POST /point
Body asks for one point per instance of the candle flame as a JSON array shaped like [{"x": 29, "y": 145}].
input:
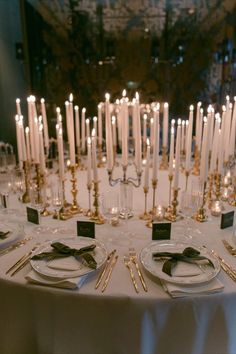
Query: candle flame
[
  {"x": 58, "y": 110},
  {"x": 87, "y": 121},
  {"x": 199, "y": 104},
  {"x": 57, "y": 126},
  {"x": 158, "y": 106},
  {"x": 27, "y": 130},
  {"x": 76, "y": 108},
  {"x": 124, "y": 93},
  {"x": 89, "y": 140},
  {"x": 227, "y": 98},
  {"x": 71, "y": 97},
  {"x": 183, "y": 122},
  {"x": 16, "y": 118},
  {"x": 95, "y": 119},
  {"x": 40, "y": 127},
  {"x": 60, "y": 132},
  {"x": 230, "y": 105},
  {"x": 151, "y": 120},
  {"x": 145, "y": 116},
  {"x": 117, "y": 101},
  {"x": 205, "y": 120},
  {"x": 99, "y": 106},
  {"x": 201, "y": 111},
  {"x": 113, "y": 119},
  {"x": 223, "y": 108},
  {"x": 166, "y": 105},
  {"x": 137, "y": 96},
  {"x": 40, "y": 119},
  {"x": 234, "y": 98},
  {"x": 172, "y": 121},
  {"x": 148, "y": 142},
  {"x": 17, "y": 100},
  {"x": 93, "y": 132},
  {"x": 83, "y": 110},
  {"x": 191, "y": 108},
  {"x": 179, "y": 121},
  {"x": 186, "y": 123},
  {"x": 172, "y": 130},
  {"x": 67, "y": 103},
  {"x": 107, "y": 96},
  {"x": 42, "y": 100},
  {"x": 33, "y": 99}
]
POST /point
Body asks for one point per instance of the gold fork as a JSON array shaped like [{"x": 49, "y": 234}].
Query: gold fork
[
  {"x": 133, "y": 258},
  {"x": 229, "y": 248},
  {"x": 128, "y": 265},
  {"x": 16, "y": 267}
]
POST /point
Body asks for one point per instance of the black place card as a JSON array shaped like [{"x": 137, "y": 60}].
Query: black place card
[
  {"x": 86, "y": 228},
  {"x": 161, "y": 231},
  {"x": 227, "y": 219},
  {"x": 4, "y": 200},
  {"x": 33, "y": 215}
]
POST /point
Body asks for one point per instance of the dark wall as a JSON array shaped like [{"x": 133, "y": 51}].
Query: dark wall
[{"x": 12, "y": 78}]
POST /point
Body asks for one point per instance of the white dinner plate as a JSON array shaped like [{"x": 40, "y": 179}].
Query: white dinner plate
[
  {"x": 43, "y": 266},
  {"x": 206, "y": 273},
  {"x": 11, "y": 237}
]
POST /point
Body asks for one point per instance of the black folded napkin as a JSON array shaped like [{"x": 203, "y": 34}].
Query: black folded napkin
[
  {"x": 61, "y": 251},
  {"x": 189, "y": 255},
  {"x": 3, "y": 234}
]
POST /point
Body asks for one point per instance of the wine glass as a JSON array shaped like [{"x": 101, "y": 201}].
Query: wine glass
[
  {"x": 188, "y": 207},
  {"x": 57, "y": 203},
  {"x": 111, "y": 211}
]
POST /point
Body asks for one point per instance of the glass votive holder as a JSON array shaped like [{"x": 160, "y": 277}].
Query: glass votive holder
[
  {"x": 160, "y": 213},
  {"x": 216, "y": 208}
]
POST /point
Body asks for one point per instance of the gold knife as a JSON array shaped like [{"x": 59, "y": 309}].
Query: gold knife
[
  {"x": 229, "y": 248},
  {"x": 15, "y": 246},
  {"x": 113, "y": 263},
  {"x": 108, "y": 261},
  {"x": 22, "y": 259}
]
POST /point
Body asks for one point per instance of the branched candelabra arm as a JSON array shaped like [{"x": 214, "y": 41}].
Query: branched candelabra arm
[{"x": 134, "y": 181}]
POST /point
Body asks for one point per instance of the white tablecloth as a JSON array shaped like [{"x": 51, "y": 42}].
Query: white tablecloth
[{"x": 42, "y": 320}]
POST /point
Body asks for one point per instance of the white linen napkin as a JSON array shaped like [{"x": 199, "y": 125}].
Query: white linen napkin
[
  {"x": 175, "y": 290},
  {"x": 67, "y": 263},
  {"x": 69, "y": 283},
  {"x": 183, "y": 269}
]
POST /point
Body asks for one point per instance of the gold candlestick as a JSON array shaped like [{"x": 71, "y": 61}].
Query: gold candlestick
[
  {"x": 38, "y": 182},
  {"x": 74, "y": 209},
  {"x": 233, "y": 195},
  {"x": 210, "y": 190},
  {"x": 26, "y": 196},
  {"x": 217, "y": 204},
  {"x": 196, "y": 166},
  {"x": 186, "y": 180},
  {"x": 172, "y": 215},
  {"x": 96, "y": 216},
  {"x": 89, "y": 212},
  {"x": 168, "y": 210},
  {"x": 145, "y": 215},
  {"x": 153, "y": 211},
  {"x": 164, "y": 159},
  {"x": 201, "y": 213},
  {"x": 100, "y": 162},
  {"x": 64, "y": 212}
]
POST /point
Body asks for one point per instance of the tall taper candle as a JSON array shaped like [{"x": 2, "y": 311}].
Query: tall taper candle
[{"x": 177, "y": 157}]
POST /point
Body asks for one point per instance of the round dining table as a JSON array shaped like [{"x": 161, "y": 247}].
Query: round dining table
[{"x": 39, "y": 319}]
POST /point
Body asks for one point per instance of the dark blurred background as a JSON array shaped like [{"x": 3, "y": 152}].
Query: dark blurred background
[{"x": 167, "y": 50}]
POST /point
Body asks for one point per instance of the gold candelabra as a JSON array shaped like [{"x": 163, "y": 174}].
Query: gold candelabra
[
  {"x": 88, "y": 212},
  {"x": 170, "y": 177},
  {"x": 38, "y": 182},
  {"x": 145, "y": 215},
  {"x": 64, "y": 212},
  {"x": 172, "y": 215},
  {"x": 96, "y": 215},
  {"x": 196, "y": 165},
  {"x": 26, "y": 196},
  {"x": 210, "y": 190},
  {"x": 100, "y": 162},
  {"x": 201, "y": 212},
  {"x": 75, "y": 208},
  {"x": 164, "y": 159},
  {"x": 153, "y": 211}
]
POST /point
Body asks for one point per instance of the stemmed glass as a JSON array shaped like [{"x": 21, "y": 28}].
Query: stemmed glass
[
  {"x": 111, "y": 211},
  {"x": 37, "y": 201},
  {"x": 126, "y": 206},
  {"x": 188, "y": 207}
]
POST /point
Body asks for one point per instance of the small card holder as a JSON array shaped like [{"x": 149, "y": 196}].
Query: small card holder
[
  {"x": 33, "y": 215},
  {"x": 227, "y": 219},
  {"x": 161, "y": 231},
  {"x": 86, "y": 229}
]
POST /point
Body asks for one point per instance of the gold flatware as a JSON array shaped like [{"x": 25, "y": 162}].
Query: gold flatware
[
  {"x": 108, "y": 261},
  {"x": 15, "y": 246},
  {"x": 133, "y": 258},
  {"x": 228, "y": 269},
  {"x": 128, "y": 265},
  {"x": 22, "y": 259},
  {"x": 113, "y": 263},
  {"x": 229, "y": 248}
]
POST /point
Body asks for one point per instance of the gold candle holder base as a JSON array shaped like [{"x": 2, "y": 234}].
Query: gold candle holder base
[
  {"x": 46, "y": 212},
  {"x": 145, "y": 215},
  {"x": 96, "y": 215},
  {"x": 196, "y": 166},
  {"x": 210, "y": 190},
  {"x": 75, "y": 208},
  {"x": 26, "y": 197},
  {"x": 172, "y": 215},
  {"x": 201, "y": 216},
  {"x": 164, "y": 160}
]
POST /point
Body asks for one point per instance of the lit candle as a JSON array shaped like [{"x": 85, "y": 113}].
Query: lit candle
[
  {"x": 204, "y": 153},
  {"x": 83, "y": 129},
  {"x": 189, "y": 139},
  {"x": 36, "y": 140},
  {"x": 109, "y": 147},
  {"x": 94, "y": 158},
  {"x": 124, "y": 131},
  {"x": 18, "y": 139},
  {"x": 31, "y": 125},
  {"x": 177, "y": 156},
  {"x": 156, "y": 137},
  {"x": 22, "y": 134},
  {"x": 146, "y": 171},
  {"x": 89, "y": 177},
  {"x": 165, "y": 124},
  {"x": 77, "y": 126},
  {"x": 138, "y": 140},
  {"x": 227, "y": 132},
  {"x": 151, "y": 131},
  {"x": 145, "y": 127},
  {"x": 87, "y": 128},
  {"x": 18, "y": 109},
  {"x": 185, "y": 135},
  {"x": 60, "y": 152},
  {"x": 210, "y": 124},
  {"x": 215, "y": 144},
  {"x": 171, "y": 158},
  {"x": 70, "y": 131},
  {"x": 41, "y": 149},
  {"x": 100, "y": 124},
  {"x": 197, "y": 123},
  {"x": 113, "y": 118},
  {"x": 182, "y": 135},
  {"x": 58, "y": 112},
  {"x": 45, "y": 124},
  {"x": 27, "y": 144},
  {"x": 199, "y": 141},
  {"x": 220, "y": 153},
  {"x": 95, "y": 120}
]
